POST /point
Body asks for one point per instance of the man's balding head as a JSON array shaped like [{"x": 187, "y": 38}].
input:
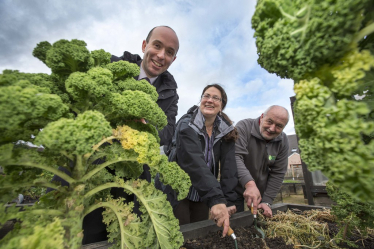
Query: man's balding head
[
  {"x": 273, "y": 121},
  {"x": 160, "y": 49}
]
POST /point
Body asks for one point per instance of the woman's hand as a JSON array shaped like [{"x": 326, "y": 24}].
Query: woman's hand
[
  {"x": 142, "y": 120},
  {"x": 231, "y": 210},
  {"x": 221, "y": 216}
]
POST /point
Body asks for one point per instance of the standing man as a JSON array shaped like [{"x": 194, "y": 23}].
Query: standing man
[
  {"x": 160, "y": 49},
  {"x": 261, "y": 154}
]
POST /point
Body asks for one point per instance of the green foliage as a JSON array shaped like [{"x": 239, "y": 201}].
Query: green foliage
[
  {"x": 35, "y": 192},
  {"x": 50, "y": 236},
  {"x": 134, "y": 104},
  {"x": 101, "y": 57},
  {"x": 26, "y": 108},
  {"x": 156, "y": 220},
  {"x": 330, "y": 124},
  {"x": 91, "y": 127},
  {"x": 123, "y": 69},
  {"x": 141, "y": 85},
  {"x": 65, "y": 57},
  {"x": 325, "y": 47},
  {"x": 41, "y": 50},
  {"x": 352, "y": 215},
  {"x": 295, "y": 38},
  {"x": 83, "y": 115},
  {"x": 96, "y": 83}
]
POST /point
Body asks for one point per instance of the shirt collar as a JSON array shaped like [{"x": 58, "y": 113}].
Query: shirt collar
[{"x": 143, "y": 75}]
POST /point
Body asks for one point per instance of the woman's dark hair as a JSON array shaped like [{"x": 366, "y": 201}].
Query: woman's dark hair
[{"x": 233, "y": 135}]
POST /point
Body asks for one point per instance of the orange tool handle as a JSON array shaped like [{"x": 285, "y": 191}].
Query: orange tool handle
[{"x": 230, "y": 231}]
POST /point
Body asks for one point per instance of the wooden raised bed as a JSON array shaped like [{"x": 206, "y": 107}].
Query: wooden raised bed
[
  {"x": 202, "y": 228},
  {"x": 198, "y": 229}
]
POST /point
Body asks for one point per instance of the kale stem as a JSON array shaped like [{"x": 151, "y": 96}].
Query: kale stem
[
  {"x": 286, "y": 14},
  {"x": 103, "y": 165},
  {"x": 55, "y": 171},
  {"x": 64, "y": 153},
  {"x": 96, "y": 147},
  {"x": 32, "y": 184},
  {"x": 98, "y": 189},
  {"x": 86, "y": 106},
  {"x": 119, "y": 218},
  {"x": 364, "y": 32},
  {"x": 79, "y": 166},
  {"x": 52, "y": 212},
  {"x": 74, "y": 109}
]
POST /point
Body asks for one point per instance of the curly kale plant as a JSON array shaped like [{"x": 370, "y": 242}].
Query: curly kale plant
[
  {"x": 352, "y": 216},
  {"x": 83, "y": 115},
  {"x": 326, "y": 48},
  {"x": 295, "y": 38}
]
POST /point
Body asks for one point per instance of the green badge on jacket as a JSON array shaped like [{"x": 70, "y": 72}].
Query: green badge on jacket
[{"x": 271, "y": 158}]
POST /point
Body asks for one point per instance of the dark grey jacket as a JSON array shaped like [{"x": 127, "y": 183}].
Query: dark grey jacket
[
  {"x": 166, "y": 88},
  {"x": 190, "y": 147},
  {"x": 259, "y": 160}
]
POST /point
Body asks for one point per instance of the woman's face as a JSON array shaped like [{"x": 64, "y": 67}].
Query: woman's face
[{"x": 211, "y": 102}]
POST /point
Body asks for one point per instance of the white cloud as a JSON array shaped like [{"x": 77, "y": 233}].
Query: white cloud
[{"x": 216, "y": 43}]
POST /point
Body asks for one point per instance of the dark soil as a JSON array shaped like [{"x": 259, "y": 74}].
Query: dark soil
[
  {"x": 246, "y": 238},
  {"x": 367, "y": 243}
]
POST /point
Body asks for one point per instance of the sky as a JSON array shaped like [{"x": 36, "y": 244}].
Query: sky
[{"x": 215, "y": 37}]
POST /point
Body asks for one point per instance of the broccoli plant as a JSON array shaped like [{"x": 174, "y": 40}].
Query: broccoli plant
[
  {"x": 326, "y": 47},
  {"x": 352, "y": 215},
  {"x": 83, "y": 115}
]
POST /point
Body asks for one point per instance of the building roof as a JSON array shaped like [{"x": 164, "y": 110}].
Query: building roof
[{"x": 294, "y": 159}]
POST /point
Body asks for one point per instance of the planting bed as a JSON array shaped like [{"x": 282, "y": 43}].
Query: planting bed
[
  {"x": 210, "y": 235},
  {"x": 246, "y": 239},
  {"x": 206, "y": 234}
]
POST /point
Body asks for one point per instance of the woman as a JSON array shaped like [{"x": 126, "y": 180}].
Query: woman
[{"x": 205, "y": 148}]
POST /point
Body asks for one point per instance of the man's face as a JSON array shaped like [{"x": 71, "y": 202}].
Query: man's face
[
  {"x": 160, "y": 51},
  {"x": 273, "y": 123}
]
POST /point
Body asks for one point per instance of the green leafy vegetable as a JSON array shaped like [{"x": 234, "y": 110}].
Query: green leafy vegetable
[
  {"x": 295, "y": 38},
  {"x": 326, "y": 48},
  {"x": 352, "y": 215},
  {"x": 83, "y": 113}
]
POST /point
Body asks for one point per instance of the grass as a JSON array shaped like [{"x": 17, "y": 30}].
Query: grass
[{"x": 292, "y": 181}]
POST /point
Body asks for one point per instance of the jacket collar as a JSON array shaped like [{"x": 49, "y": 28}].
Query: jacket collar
[{"x": 222, "y": 126}]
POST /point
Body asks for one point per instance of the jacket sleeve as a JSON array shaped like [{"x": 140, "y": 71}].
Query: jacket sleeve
[
  {"x": 277, "y": 172},
  {"x": 229, "y": 172},
  {"x": 167, "y": 133},
  {"x": 243, "y": 127},
  {"x": 114, "y": 58},
  {"x": 191, "y": 159}
]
